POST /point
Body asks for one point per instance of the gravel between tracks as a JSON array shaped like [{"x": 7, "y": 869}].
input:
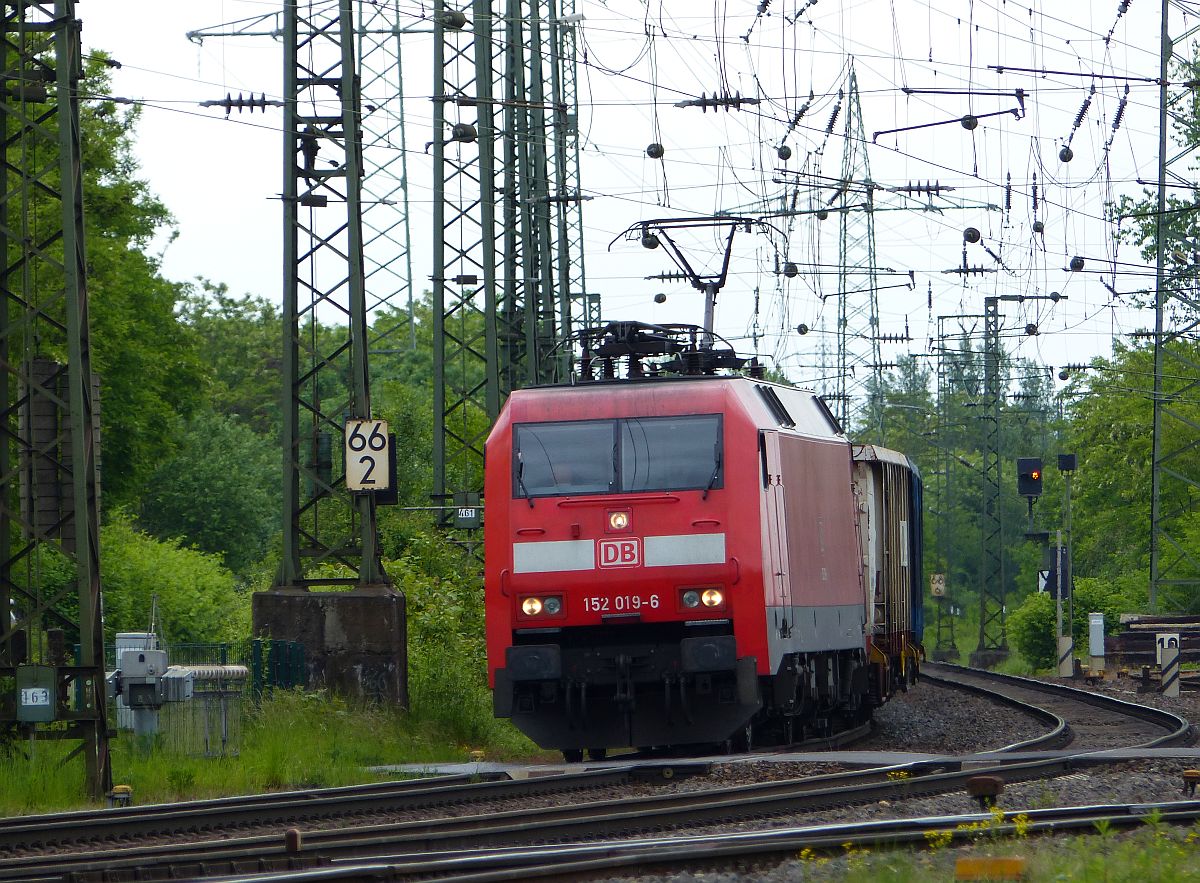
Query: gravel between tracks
[{"x": 934, "y": 719}]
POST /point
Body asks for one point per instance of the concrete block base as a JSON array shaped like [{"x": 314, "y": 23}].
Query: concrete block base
[{"x": 355, "y": 643}]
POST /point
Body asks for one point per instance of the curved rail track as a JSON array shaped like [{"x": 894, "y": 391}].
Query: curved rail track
[
  {"x": 1069, "y": 713},
  {"x": 1093, "y": 721}
]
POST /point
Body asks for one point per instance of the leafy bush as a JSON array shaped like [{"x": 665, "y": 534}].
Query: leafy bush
[
  {"x": 447, "y": 675},
  {"x": 1031, "y": 626},
  {"x": 197, "y": 597}
]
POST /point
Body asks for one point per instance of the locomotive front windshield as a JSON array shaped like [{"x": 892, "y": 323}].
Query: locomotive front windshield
[{"x": 618, "y": 456}]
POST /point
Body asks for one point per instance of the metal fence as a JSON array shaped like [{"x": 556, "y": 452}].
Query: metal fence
[
  {"x": 210, "y": 723},
  {"x": 272, "y": 664}
]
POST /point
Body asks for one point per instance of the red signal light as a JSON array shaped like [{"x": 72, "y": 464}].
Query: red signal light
[{"x": 1035, "y": 474}]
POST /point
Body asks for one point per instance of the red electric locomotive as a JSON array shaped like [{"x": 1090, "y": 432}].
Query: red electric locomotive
[{"x": 686, "y": 557}]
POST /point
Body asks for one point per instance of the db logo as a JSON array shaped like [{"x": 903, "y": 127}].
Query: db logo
[{"x": 620, "y": 553}]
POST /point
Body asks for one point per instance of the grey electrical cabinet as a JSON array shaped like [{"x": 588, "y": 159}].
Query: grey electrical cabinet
[{"x": 141, "y": 677}]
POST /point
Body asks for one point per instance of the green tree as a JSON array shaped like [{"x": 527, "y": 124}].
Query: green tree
[
  {"x": 242, "y": 340},
  {"x": 148, "y": 362},
  {"x": 220, "y": 491},
  {"x": 1109, "y": 430}
]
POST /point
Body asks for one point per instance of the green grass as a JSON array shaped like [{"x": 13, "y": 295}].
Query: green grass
[
  {"x": 293, "y": 740},
  {"x": 1151, "y": 853}
]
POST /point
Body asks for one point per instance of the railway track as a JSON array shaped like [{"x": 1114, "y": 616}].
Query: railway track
[
  {"x": 671, "y": 853},
  {"x": 27, "y": 834},
  {"x": 1094, "y": 722},
  {"x": 1068, "y": 718}
]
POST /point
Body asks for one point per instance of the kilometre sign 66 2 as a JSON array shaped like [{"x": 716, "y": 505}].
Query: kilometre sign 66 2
[{"x": 367, "y": 455}]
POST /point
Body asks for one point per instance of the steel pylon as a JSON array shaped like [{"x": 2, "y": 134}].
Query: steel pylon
[
  {"x": 330, "y": 535},
  {"x": 858, "y": 281},
  {"x": 508, "y": 244},
  {"x": 387, "y": 252},
  {"x": 48, "y": 409},
  {"x": 1175, "y": 471},
  {"x": 993, "y": 635}
]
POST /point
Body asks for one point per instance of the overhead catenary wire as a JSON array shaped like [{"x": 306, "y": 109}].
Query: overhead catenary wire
[{"x": 695, "y": 52}]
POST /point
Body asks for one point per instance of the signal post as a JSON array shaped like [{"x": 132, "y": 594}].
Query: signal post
[{"x": 1029, "y": 485}]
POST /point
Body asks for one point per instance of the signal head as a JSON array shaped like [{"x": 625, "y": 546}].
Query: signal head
[{"x": 1029, "y": 476}]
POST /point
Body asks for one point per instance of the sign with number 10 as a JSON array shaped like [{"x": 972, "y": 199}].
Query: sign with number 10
[{"x": 367, "y": 455}]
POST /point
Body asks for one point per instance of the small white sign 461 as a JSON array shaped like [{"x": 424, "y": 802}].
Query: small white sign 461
[{"x": 368, "y": 455}]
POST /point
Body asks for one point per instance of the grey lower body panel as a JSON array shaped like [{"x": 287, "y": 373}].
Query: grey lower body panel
[{"x": 814, "y": 629}]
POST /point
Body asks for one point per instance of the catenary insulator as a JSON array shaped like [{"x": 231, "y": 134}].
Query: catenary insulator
[
  {"x": 655, "y": 151},
  {"x": 837, "y": 108},
  {"x": 971, "y": 235}
]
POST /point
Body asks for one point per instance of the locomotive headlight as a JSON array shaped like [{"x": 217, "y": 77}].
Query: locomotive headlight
[
  {"x": 691, "y": 598},
  {"x": 552, "y": 605},
  {"x": 618, "y": 520},
  {"x": 531, "y": 606},
  {"x": 712, "y": 598}
]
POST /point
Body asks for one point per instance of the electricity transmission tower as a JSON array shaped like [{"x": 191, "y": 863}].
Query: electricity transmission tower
[
  {"x": 49, "y": 410},
  {"x": 856, "y": 199},
  {"x": 355, "y": 641},
  {"x": 993, "y": 586},
  {"x": 324, "y": 300},
  {"x": 508, "y": 246},
  {"x": 950, "y": 365},
  {"x": 387, "y": 251},
  {"x": 384, "y": 202},
  {"x": 858, "y": 277},
  {"x": 1175, "y": 477},
  {"x": 993, "y": 636}
]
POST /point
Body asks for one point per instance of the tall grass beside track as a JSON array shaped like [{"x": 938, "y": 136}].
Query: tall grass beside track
[
  {"x": 291, "y": 740},
  {"x": 966, "y": 639}
]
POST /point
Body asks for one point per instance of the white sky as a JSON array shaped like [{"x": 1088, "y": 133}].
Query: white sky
[{"x": 221, "y": 177}]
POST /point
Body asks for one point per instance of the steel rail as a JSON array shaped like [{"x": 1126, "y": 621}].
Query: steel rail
[
  {"x": 158, "y": 820},
  {"x": 569, "y": 862}
]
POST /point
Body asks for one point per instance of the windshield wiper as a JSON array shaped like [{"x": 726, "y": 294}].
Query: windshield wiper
[
  {"x": 712, "y": 479},
  {"x": 521, "y": 480}
]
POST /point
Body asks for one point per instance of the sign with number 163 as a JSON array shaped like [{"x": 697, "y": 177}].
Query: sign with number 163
[{"x": 367, "y": 455}]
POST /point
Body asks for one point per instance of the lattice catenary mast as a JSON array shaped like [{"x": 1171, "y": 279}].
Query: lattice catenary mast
[{"x": 48, "y": 410}]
